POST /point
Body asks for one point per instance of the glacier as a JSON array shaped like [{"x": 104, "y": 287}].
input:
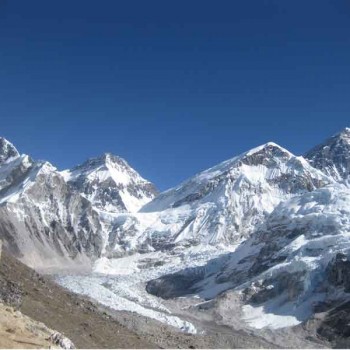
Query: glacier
[{"x": 266, "y": 228}]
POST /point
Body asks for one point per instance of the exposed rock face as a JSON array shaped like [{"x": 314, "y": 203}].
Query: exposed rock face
[
  {"x": 62, "y": 341},
  {"x": 261, "y": 291},
  {"x": 333, "y": 156},
  {"x": 110, "y": 184},
  {"x": 175, "y": 285},
  {"x": 338, "y": 272},
  {"x": 7, "y": 150},
  {"x": 41, "y": 220},
  {"x": 335, "y": 327}
]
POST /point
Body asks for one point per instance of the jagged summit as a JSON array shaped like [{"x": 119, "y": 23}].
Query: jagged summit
[
  {"x": 269, "y": 155},
  {"x": 262, "y": 155},
  {"x": 266, "y": 153},
  {"x": 102, "y": 160},
  {"x": 109, "y": 157},
  {"x": 7, "y": 150},
  {"x": 111, "y": 184},
  {"x": 333, "y": 155},
  {"x": 116, "y": 167}
]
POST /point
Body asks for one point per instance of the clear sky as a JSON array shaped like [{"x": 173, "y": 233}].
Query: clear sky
[{"x": 174, "y": 87}]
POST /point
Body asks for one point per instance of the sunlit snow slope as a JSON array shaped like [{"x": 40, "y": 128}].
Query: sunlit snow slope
[{"x": 219, "y": 206}]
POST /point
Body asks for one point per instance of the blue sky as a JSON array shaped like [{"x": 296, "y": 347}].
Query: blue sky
[{"x": 174, "y": 87}]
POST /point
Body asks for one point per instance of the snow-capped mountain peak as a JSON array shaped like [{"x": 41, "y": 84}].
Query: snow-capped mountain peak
[
  {"x": 269, "y": 147},
  {"x": 223, "y": 204},
  {"x": 333, "y": 155},
  {"x": 111, "y": 184},
  {"x": 265, "y": 162},
  {"x": 268, "y": 154},
  {"x": 264, "y": 154},
  {"x": 7, "y": 150}
]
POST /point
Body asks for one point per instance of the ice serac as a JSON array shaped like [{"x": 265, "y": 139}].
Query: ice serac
[
  {"x": 333, "y": 156},
  {"x": 302, "y": 264},
  {"x": 42, "y": 221},
  {"x": 110, "y": 184},
  {"x": 221, "y": 205}
]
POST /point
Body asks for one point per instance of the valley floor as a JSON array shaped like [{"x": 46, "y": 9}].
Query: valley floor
[
  {"x": 90, "y": 324},
  {"x": 120, "y": 286}
]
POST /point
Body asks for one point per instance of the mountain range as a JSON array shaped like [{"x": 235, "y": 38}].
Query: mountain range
[{"x": 267, "y": 228}]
